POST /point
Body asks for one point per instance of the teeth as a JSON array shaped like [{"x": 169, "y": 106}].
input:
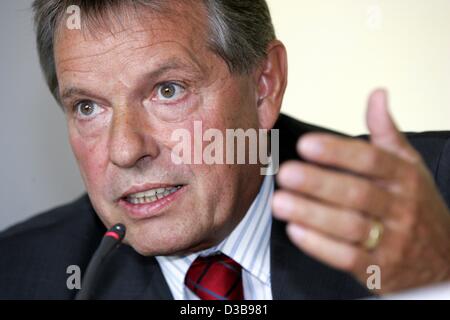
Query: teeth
[{"x": 151, "y": 195}]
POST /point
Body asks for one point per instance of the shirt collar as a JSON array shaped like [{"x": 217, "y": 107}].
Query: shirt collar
[{"x": 248, "y": 244}]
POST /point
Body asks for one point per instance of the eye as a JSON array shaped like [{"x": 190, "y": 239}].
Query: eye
[
  {"x": 169, "y": 91},
  {"x": 86, "y": 109}
]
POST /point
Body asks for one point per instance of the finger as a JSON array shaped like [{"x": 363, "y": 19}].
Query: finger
[
  {"x": 335, "y": 188},
  {"x": 383, "y": 130},
  {"x": 337, "y": 254},
  {"x": 340, "y": 223},
  {"x": 352, "y": 155}
]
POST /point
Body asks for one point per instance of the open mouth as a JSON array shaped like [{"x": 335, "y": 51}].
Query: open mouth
[
  {"x": 152, "y": 200},
  {"x": 151, "y": 195}
]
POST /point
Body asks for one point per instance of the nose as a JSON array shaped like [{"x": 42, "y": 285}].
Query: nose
[{"x": 130, "y": 139}]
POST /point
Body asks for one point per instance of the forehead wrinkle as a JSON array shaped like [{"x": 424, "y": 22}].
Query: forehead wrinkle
[
  {"x": 165, "y": 64},
  {"x": 94, "y": 55},
  {"x": 144, "y": 22},
  {"x": 77, "y": 69},
  {"x": 163, "y": 67},
  {"x": 132, "y": 38},
  {"x": 133, "y": 31},
  {"x": 177, "y": 59}
]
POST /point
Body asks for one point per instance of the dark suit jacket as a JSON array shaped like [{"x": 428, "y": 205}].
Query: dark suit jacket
[{"x": 35, "y": 254}]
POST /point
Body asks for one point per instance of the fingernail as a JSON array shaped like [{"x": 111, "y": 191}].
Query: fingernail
[
  {"x": 310, "y": 146},
  {"x": 290, "y": 175},
  {"x": 296, "y": 232},
  {"x": 281, "y": 205}
]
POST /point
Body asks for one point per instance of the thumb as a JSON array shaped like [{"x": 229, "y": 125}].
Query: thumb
[{"x": 383, "y": 130}]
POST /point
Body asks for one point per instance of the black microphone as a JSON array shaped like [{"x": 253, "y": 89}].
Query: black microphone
[{"x": 111, "y": 241}]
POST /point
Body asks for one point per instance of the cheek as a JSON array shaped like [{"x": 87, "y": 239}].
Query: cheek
[
  {"x": 235, "y": 107},
  {"x": 92, "y": 159}
]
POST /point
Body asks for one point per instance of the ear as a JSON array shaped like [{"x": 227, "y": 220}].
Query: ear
[{"x": 271, "y": 81}]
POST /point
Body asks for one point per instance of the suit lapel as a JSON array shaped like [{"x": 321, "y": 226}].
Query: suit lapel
[
  {"x": 130, "y": 275},
  {"x": 282, "y": 260},
  {"x": 295, "y": 275}
]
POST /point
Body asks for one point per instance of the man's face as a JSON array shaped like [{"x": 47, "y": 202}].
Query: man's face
[{"x": 125, "y": 90}]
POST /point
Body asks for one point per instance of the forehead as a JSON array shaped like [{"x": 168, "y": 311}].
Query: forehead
[{"x": 129, "y": 37}]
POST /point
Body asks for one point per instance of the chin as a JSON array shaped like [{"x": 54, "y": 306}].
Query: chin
[{"x": 148, "y": 243}]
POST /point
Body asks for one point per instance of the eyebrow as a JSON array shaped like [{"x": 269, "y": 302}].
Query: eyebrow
[
  {"x": 74, "y": 91},
  {"x": 164, "y": 67}
]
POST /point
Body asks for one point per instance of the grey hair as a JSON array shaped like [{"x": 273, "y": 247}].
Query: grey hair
[{"x": 239, "y": 30}]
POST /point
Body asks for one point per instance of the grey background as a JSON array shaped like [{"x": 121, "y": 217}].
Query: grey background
[{"x": 37, "y": 168}]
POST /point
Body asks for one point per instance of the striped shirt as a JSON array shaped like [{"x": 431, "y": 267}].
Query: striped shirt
[{"x": 248, "y": 244}]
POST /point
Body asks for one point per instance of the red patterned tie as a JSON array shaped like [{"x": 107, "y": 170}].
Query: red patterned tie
[{"x": 216, "y": 277}]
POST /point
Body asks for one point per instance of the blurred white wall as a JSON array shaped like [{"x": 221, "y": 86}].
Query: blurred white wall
[{"x": 338, "y": 51}]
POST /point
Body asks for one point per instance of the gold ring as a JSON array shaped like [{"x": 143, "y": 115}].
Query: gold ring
[{"x": 375, "y": 233}]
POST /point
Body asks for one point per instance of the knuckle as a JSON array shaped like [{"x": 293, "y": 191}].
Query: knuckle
[
  {"x": 398, "y": 208},
  {"x": 372, "y": 159},
  {"x": 356, "y": 231},
  {"x": 359, "y": 195},
  {"x": 408, "y": 215},
  {"x": 302, "y": 210},
  {"x": 401, "y": 249},
  {"x": 414, "y": 180},
  {"x": 410, "y": 218},
  {"x": 305, "y": 212},
  {"x": 318, "y": 219}
]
